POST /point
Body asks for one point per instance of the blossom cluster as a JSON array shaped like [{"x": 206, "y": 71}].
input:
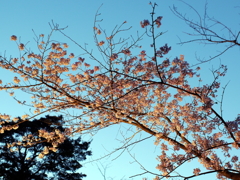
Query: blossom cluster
[
  {"x": 163, "y": 50},
  {"x": 144, "y": 23},
  {"x": 136, "y": 88}
]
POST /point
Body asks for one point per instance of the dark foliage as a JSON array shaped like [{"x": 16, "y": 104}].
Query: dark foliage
[{"x": 23, "y": 163}]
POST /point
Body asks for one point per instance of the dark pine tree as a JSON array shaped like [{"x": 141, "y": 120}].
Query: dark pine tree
[{"x": 23, "y": 162}]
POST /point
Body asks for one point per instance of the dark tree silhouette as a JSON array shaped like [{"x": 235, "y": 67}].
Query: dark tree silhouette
[{"x": 35, "y": 158}]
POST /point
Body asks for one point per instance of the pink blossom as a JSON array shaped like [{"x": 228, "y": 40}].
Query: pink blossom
[
  {"x": 99, "y": 32},
  {"x": 196, "y": 171},
  {"x": 96, "y": 68},
  {"x": 163, "y": 50},
  {"x": 144, "y": 23},
  {"x": 13, "y": 38},
  {"x": 21, "y": 46},
  {"x": 142, "y": 55},
  {"x": 158, "y": 21},
  {"x": 65, "y": 45},
  {"x": 86, "y": 64},
  {"x": 234, "y": 159},
  {"x": 71, "y": 55},
  {"x": 113, "y": 56},
  {"x": 81, "y": 59},
  {"x": 126, "y": 52},
  {"x": 16, "y": 80},
  {"x": 101, "y": 43},
  {"x": 110, "y": 37}
]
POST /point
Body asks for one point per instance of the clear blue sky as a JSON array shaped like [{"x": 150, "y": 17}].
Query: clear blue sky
[{"x": 20, "y": 17}]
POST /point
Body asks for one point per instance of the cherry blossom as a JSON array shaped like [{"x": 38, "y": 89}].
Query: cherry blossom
[
  {"x": 145, "y": 89},
  {"x": 158, "y": 21},
  {"x": 144, "y": 23},
  {"x": 13, "y": 38}
]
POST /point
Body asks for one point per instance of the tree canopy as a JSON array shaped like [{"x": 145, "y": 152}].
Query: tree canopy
[{"x": 36, "y": 158}]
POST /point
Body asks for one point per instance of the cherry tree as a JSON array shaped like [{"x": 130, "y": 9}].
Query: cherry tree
[{"x": 123, "y": 83}]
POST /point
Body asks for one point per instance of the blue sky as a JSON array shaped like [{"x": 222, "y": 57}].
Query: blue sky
[{"x": 20, "y": 17}]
